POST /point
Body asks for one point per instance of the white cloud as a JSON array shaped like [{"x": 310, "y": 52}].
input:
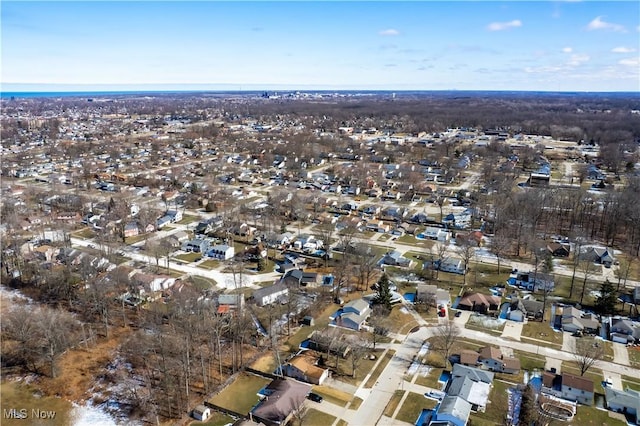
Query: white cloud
[
  {"x": 567, "y": 49},
  {"x": 599, "y": 24},
  {"x": 500, "y": 26},
  {"x": 577, "y": 59},
  {"x": 633, "y": 62},
  {"x": 622, "y": 49},
  {"x": 389, "y": 32}
]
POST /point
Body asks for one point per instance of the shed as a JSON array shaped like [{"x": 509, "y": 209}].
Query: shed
[{"x": 201, "y": 413}]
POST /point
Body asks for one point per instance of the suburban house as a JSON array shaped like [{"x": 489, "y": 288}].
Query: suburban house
[
  {"x": 301, "y": 278},
  {"x": 267, "y": 295},
  {"x": 174, "y": 215},
  {"x": 492, "y": 358},
  {"x": 221, "y": 252},
  {"x": 454, "y": 266},
  {"x": 279, "y": 399},
  {"x": 197, "y": 246},
  {"x": 574, "y": 321},
  {"x": 131, "y": 230},
  {"x": 577, "y": 388},
  {"x": 532, "y": 281},
  {"x": 395, "y": 258},
  {"x": 624, "y": 330},
  {"x": 474, "y": 392},
  {"x": 601, "y": 255},
  {"x": 432, "y": 295},
  {"x": 559, "y": 250},
  {"x": 230, "y": 302},
  {"x": 475, "y": 374},
  {"x": 279, "y": 240},
  {"x": 451, "y": 411},
  {"x": 625, "y": 402},
  {"x": 352, "y": 315},
  {"x": 438, "y": 234},
  {"x": 478, "y": 302},
  {"x": 521, "y": 309},
  {"x": 304, "y": 367}
]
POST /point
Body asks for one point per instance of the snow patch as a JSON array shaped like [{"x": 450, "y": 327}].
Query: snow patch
[{"x": 87, "y": 415}]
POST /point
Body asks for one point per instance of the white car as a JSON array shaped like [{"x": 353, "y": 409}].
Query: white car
[{"x": 435, "y": 395}]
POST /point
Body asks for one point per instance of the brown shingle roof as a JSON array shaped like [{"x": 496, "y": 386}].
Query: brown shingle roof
[{"x": 577, "y": 382}]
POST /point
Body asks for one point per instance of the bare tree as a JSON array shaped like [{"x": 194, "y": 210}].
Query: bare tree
[
  {"x": 465, "y": 248},
  {"x": 500, "y": 243},
  {"x": 379, "y": 322},
  {"x": 444, "y": 338},
  {"x": 359, "y": 349},
  {"x": 587, "y": 354}
]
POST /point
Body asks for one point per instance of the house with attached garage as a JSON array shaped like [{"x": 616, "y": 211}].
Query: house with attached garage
[
  {"x": 352, "y": 315},
  {"x": 451, "y": 411},
  {"x": 577, "y": 388},
  {"x": 493, "y": 359},
  {"x": 304, "y": 366},
  {"x": 623, "y": 330},
  {"x": 576, "y": 321},
  {"x": 626, "y": 402},
  {"x": 395, "y": 258},
  {"x": 268, "y": 295}
]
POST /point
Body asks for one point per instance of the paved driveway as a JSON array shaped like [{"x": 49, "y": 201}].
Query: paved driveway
[
  {"x": 462, "y": 319},
  {"x": 512, "y": 330},
  {"x": 568, "y": 342},
  {"x": 620, "y": 354}
]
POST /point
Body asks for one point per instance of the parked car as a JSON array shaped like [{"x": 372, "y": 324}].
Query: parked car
[
  {"x": 435, "y": 395},
  {"x": 314, "y": 397}
]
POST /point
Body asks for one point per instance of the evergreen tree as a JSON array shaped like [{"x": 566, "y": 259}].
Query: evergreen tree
[
  {"x": 606, "y": 302},
  {"x": 383, "y": 295}
]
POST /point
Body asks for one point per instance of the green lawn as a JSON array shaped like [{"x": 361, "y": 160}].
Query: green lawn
[
  {"x": 332, "y": 395},
  {"x": 209, "y": 264},
  {"x": 135, "y": 239},
  {"x": 431, "y": 379},
  {"x": 634, "y": 356},
  {"x": 203, "y": 283},
  {"x": 413, "y": 406},
  {"x": 187, "y": 219},
  {"x": 591, "y": 416},
  {"x": 241, "y": 395},
  {"x": 217, "y": 419},
  {"x": 376, "y": 373},
  {"x": 497, "y": 408},
  {"x": 529, "y": 361},
  {"x": 189, "y": 257},
  {"x": 315, "y": 417},
  {"x": 393, "y": 403},
  {"x": 541, "y": 331},
  {"x": 18, "y": 396},
  {"x": 86, "y": 233}
]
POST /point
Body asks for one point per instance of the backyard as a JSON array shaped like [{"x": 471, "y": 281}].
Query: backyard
[{"x": 241, "y": 395}]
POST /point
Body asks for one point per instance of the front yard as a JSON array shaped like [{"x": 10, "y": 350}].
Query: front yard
[
  {"x": 413, "y": 406},
  {"x": 541, "y": 331}
]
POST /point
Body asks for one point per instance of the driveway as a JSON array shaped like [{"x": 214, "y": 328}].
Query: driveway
[
  {"x": 620, "y": 354},
  {"x": 553, "y": 363},
  {"x": 462, "y": 319},
  {"x": 512, "y": 330},
  {"x": 568, "y": 343}
]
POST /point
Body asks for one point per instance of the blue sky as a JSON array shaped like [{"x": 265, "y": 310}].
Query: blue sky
[{"x": 464, "y": 45}]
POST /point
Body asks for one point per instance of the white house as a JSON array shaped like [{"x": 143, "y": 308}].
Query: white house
[
  {"x": 221, "y": 252},
  {"x": 267, "y": 295},
  {"x": 455, "y": 266},
  {"x": 577, "y": 388}
]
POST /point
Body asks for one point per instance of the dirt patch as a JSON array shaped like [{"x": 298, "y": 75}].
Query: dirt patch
[{"x": 79, "y": 368}]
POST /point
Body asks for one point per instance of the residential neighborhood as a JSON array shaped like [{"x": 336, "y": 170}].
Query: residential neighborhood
[{"x": 223, "y": 259}]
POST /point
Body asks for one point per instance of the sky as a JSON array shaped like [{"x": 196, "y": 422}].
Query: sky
[{"x": 383, "y": 45}]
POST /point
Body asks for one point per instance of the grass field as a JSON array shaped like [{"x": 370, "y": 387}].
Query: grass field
[
  {"x": 431, "y": 379},
  {"x": 591, "y": 416},
  {"x": 202, "y": 282},
  {"x": 209, "y": 264},
  {"x": 634, "y": 356},
  {"x": 86, "y": 233},
  {"x": 496, "y": 409},
  {"x": 241, "y": 395},
  {"x": 18, "y": 396}
]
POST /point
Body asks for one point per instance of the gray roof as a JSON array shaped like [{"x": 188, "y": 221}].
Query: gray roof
[
  {"x": 456, "y": 407},
  {"x": 629, "y": 398},
  {"x": 359, "y": 305},
  {"x": 285, "y": 396},
  {"x": 473, "y": 373},
  {"x": 266, "y": 291},
  {"x": 472, "y": 391}
]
